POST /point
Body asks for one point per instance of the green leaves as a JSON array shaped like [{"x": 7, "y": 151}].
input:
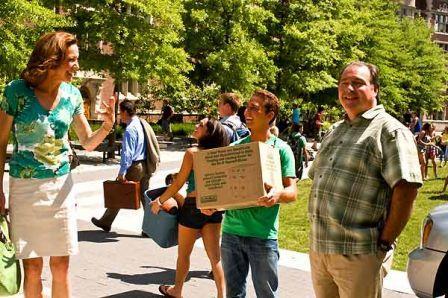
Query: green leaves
[
  {"x": 143, "y": 36},
  {"x": 412, "y": 67},
  {"x": 191, "y": 50},
  {"x": 21, "y": 23}
]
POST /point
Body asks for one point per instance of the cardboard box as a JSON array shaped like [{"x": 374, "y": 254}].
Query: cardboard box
[{"x": 233, "y": 177}]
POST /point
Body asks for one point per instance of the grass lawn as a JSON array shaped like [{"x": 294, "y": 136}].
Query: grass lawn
[{"x": 294, "y": 225}]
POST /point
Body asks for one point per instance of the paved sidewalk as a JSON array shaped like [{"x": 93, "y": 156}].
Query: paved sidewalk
[{"x": 123, "y": 264}]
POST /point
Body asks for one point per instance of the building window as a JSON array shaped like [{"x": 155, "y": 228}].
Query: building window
[{"x": 441, "y": 23}]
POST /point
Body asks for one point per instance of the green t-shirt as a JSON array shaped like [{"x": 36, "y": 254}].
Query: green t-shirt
[
  {"x": 299, "y": 142},
  {"x": 40, "y": 137},
  {"x": 260, "y": 222}
]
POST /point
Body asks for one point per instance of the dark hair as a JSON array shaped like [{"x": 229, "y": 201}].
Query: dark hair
[
  {"x": 232, "y": 99},
  {"x": 240, "y": 113},
  {"x": 128, "y": 107},
  {"x": 169, "y": 179},
  {"x": 49, "y": 53},
  {"x": 426, "y": 126},
  {"x": 216, "y": 135},
  {"x": 270, "y": 102},
  {"x": 296, "y": 127}
]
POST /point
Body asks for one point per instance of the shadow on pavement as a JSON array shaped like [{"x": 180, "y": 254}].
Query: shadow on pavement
[
  {"x": 443, "y": 197},
  {"x": 166, "y": 276},
  {"x": 102, "y": 237},
  {"x": 133, "y": 294}
]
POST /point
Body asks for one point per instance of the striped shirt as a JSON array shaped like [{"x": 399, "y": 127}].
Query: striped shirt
[{"x": 354, "y": 173}]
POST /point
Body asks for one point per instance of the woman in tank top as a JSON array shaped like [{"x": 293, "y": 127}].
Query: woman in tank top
[
  {"x": 210, "y": 134},
  {"x": 427, "y": 149}
]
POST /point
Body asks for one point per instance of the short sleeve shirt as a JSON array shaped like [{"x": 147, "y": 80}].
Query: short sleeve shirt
[
  {"x": 354, "y": 174},
  {"x": 300, "y": 140},
  {"x": 40, "y": 137},
  {"x": 260, "y": 222}
]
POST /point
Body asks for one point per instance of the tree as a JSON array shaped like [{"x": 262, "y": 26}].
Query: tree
[
  {"x": 132, "y": 39},
  {"x": 313, "y": 40},
  {"x": 413, "y": 67},
  {"x": 21, "y": 24},
  {"x": 222, "y": 39}
]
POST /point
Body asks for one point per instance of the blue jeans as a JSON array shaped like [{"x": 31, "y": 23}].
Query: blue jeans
[{"x": 238, "y": 253}]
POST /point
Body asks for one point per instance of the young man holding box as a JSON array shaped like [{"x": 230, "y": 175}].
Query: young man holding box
[{"x": 249, "y": 235}]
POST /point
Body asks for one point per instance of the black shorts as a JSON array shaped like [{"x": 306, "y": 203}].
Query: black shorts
[{"x": 191, "y": 217}]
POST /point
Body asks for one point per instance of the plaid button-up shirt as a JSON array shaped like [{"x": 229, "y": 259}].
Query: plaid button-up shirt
[{"x": 354, "y": 173}]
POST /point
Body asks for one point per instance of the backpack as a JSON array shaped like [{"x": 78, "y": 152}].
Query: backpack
[
  {"x": 296, "y": 145},
  {"x": 238, "y": 132}
]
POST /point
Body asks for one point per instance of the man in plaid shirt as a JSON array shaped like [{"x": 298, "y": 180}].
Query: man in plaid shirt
[{"x": 365, "y": 180}]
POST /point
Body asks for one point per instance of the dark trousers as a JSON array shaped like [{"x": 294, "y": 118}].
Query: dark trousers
[{"x": 137, "y": 173}]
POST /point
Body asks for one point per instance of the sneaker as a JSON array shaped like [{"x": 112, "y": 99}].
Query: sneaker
[{"x": 98, "y": 223}]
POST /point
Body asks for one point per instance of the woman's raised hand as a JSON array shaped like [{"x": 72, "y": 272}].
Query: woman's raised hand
[{"x": 108, "y": 113}]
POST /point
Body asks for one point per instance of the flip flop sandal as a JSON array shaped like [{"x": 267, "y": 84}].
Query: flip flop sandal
[{"x": 163, "y": 289}]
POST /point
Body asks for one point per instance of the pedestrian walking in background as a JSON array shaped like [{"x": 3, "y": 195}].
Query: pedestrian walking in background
[
  {"x": 240, "y": 113},
  {"x": 317, "y": 127},
  {"x": 407, "y": 118},
  {"x": 249, "y": 237},
  {"x": 228, "y": 105},
  {"x": 210, "y": 133},
  {"x": 426, "y": 149},
  {"x": 298, "y": 145},
  {"x": 444, "y": 146},
  {"x": 432, "y": 151},
  {"x": 444, "y": 140},
  {"x": 165, "y": 120},
  {"x": 295, "y": 114},
  {"x": 40, "y": 107},
  {"x": 365, "y": 180},
  {"x": 415, "y": 126},
  {"x": 140, "y": 156}
]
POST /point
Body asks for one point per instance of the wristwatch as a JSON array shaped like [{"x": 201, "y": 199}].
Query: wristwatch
[{"x": 384, "y": 245}]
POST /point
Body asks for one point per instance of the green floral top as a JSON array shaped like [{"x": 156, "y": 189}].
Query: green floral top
[{"x": 40, "y": 136}]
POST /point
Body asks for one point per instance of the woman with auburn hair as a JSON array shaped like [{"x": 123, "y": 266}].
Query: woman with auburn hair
[
  {"x": 39, "y": 109},
  {"x": 210, "y": 133}
]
